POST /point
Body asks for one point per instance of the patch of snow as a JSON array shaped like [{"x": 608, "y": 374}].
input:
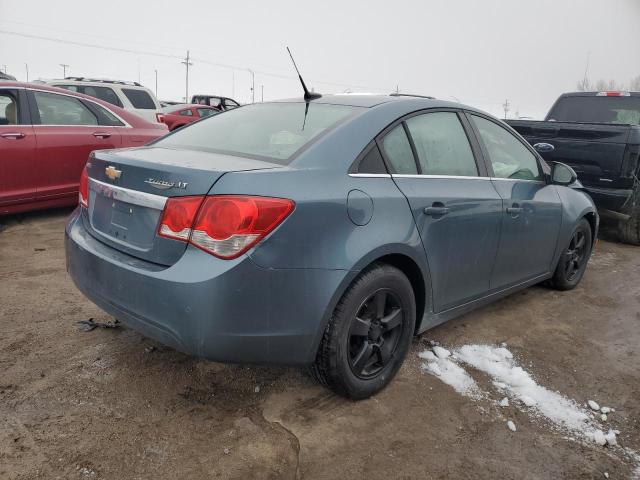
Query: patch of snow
[
  {"x": 593, "y": 405},
  {"x": 606, "y": 474},
  {"x": 451, "y": 374},
  {"x": 441, "y": 352},
  {"x": 504, "y": 402},
  {"x": 603, "y": 417},
  {"x": 605, "y": 409},
  {"x": 527, "y": 400},
  {"x": 511, "y": 425},
  {"x": 498, "y": 363},
  {"x": 599, "y": 437}
]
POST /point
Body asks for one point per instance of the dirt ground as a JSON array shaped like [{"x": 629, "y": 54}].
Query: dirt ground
[{"x": 110, "y": 404}]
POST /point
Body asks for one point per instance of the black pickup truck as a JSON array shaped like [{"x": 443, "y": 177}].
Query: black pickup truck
[{"x": 598, "y": 134}]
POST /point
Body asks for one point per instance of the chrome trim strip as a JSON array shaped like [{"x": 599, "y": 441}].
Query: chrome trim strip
[
  {"x": 370, "y": 175},
  {"x": 516, "y": 180},
  {"x": 134, "y": 197},
  {"x": 454, "y": 177}
]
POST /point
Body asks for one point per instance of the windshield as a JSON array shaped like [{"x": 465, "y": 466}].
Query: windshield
[
  {"x": 273, "y": 131},
  {"x": 617, "y": 110}
]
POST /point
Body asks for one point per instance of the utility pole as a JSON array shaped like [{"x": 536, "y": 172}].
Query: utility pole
[
  {"x": 187, "y": 64},
  {"x": 262, "y": 93},
  {"x": 26, "y": 67},
  {"x": 397, "y": 89},
  {"x": 506, "y": 106},
  {"x": 64, "y": 69},
  {"x": 233, "y": 85},
  {"x": 253, "y": 84},
  {"x": 156, "y": 72},
  {"x": 5, "y": 68}
]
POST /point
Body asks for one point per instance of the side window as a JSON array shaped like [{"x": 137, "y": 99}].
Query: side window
[
  {"x": 57, "y": 109},
  {"x": 397, "y": 148},
  {"x": 509, "y": 157},
  {"x": 205, "y": 112},
  {"x": 186, "y": 113},
  {"x": 230, "y": 103},
  {"x": 8, "y": 109},
  {"x": 103, "y": 93},
  {"x": 139, "y": 99},
  {"x": 372, "y": 162},
  {"x": 106, "y": 117},
  {"x": 442, "y": 145}
]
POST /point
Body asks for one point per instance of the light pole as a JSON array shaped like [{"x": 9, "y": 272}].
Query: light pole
[
  {"x": 5, "y": 68},
  {"x": 262, "y": 93},
  {"x": 26, "y": 67},
  {"x": 187, "y": 64},
  {"x": 253, "y": 84},
  {"x": 156, "y": 71},
  {"x": 64, "y": 69}
]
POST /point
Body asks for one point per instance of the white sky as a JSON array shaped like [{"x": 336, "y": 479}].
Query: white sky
[{"x": 478, "y": 51}]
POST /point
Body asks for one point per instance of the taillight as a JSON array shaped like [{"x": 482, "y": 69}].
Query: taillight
[
  {"x": 83, "y": 192},
  {"x": 229, "y": 225},
  {"x": 178, "y": 216},
  {"x": 225, "y": 225}
]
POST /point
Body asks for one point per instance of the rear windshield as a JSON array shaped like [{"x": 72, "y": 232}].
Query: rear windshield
[
  {"x": 271, "y": 131},
  {"x": 621, "y": 110}
]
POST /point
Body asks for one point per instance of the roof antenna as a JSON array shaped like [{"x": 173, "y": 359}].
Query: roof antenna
[{"x": 307, "y": 94}]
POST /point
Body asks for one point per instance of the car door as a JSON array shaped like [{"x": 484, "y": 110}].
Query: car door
[
  {"x": 456, "y": 209},
  {"x": 532, "y": 210},
  {"x": 66, "y": 130},
  {"x": 17, "y": 148}
]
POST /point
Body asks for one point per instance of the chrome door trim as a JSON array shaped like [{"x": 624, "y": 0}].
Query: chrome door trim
[
  {"x": 454, "y": 177},
  {"x": 370, "y": 175},
  {"x": 127, "y": 195}
]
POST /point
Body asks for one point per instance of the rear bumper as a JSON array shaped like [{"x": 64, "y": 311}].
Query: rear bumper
[{"x": 229, "y": 311}]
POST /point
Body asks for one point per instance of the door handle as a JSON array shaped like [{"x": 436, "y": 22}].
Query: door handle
[
  {"x": 436, "y": 210},
  {"x": 102, "y": 135},
  {"x": 514, "y": 210},
  {"x": 14, "y": 135}
]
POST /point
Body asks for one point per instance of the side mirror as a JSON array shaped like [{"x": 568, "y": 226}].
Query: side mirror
[{"x": 562, "y": 174}]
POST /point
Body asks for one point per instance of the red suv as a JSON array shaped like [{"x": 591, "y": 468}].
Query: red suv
[
  {"x": 46, "y": 135},
  {"x": 176, "y": 116}
]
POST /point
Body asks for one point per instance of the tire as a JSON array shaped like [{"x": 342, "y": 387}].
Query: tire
[
  {"x": 574, "y": 258},
  {"x": 375, "y": 319},
  {"x": 630, "y": 230}
]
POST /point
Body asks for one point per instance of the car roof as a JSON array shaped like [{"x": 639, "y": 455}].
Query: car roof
[
  {"x": 373, "y": 100},
  {"x": 595, "y": 93},
  {"x": 182, "y": 106}
]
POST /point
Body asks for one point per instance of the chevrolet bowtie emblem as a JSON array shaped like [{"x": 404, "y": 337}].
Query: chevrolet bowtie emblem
[{"x": 112, "y": 172}]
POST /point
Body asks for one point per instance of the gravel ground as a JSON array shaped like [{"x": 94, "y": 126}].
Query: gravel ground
[{"x": 110, "y": 404}]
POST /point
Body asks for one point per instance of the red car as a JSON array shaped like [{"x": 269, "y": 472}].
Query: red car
[
  {"x": 176, "y": 116},
  {"x": 46, "y": 135}
]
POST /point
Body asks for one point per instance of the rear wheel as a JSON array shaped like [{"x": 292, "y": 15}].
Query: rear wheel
[
  {"x": 574, "y": 259},
  {"x": 368, "y": 335}
]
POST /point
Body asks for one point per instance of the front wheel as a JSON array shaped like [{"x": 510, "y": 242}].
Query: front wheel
[
  {"x": 574, "y": 259},
  {"x": 368, "y": 335}
]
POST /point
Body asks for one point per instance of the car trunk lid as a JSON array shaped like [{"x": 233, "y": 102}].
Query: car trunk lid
[{"x": 128, "y": 190}]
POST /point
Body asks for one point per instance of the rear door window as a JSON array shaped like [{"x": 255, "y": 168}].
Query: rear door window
[
  {"x": 103, "y": 93},
  {"x": 398, "y": 151},
  {"x": 442, "y": 145},
  {"x": 205, "y": 112},
  {"x": 57, "y": 109},
  {"x": 139, "y": 99}
]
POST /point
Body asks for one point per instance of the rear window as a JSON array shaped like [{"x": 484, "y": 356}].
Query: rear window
[
  {"x": 139, "y": 99},
  {"x": 615, "y": 110},
  {"x": 273, "y": 131}
]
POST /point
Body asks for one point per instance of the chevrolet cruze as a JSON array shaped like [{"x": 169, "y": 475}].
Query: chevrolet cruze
[{"x": 323, "y": 233}]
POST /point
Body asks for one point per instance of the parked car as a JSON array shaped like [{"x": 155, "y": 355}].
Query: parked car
[
  {"x": 324, "y": 233},
  {"x": 176, "y": 116},
  {"x": 131, "y": 96},
  {"x": 223, "y": 103},
  {"x": 598, "y": 134},
  {"x": 46, "y": 135},
  {"x": 6, "y": 76}
]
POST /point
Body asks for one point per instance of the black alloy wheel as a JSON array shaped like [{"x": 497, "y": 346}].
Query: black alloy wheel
[{"x": 374, "y": 333}]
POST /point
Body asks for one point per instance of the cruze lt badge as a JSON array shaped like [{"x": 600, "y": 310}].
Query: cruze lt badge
[{"x": 163, "y": 184}]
